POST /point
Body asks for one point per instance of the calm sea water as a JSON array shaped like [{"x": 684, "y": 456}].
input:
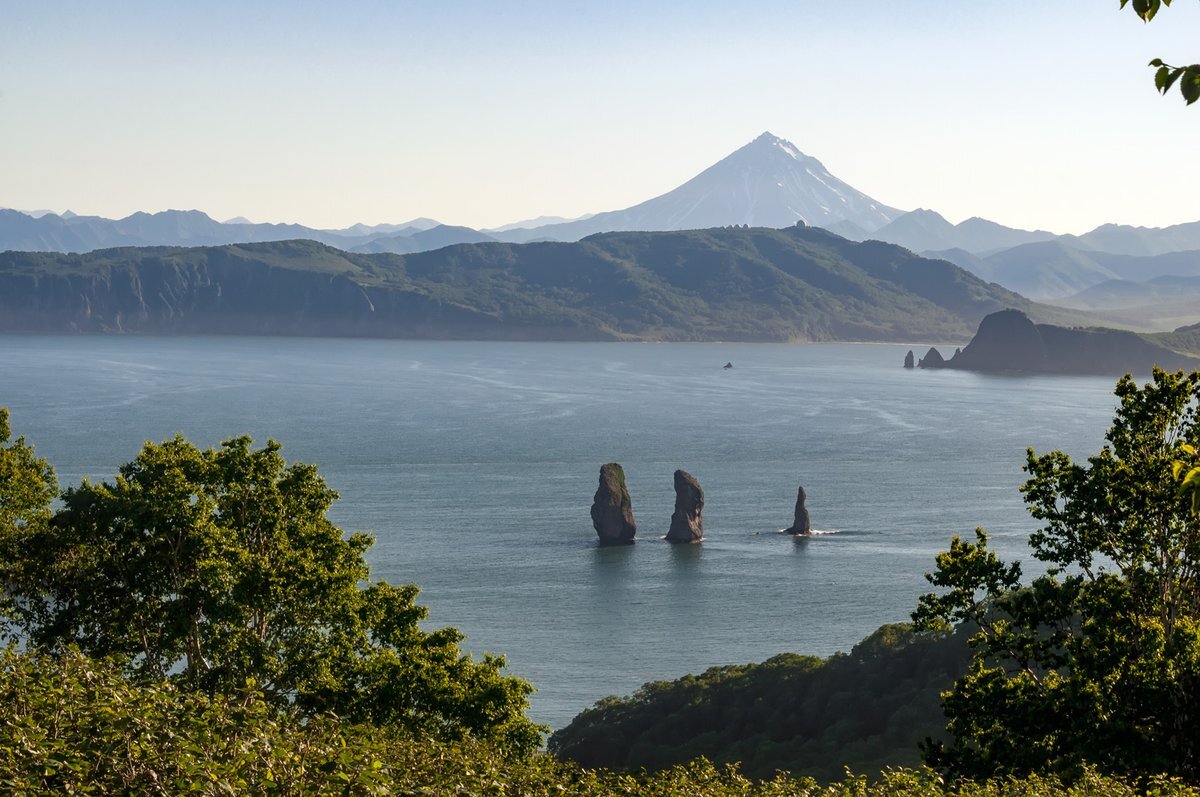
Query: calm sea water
[{"x": 474, "y": 465}]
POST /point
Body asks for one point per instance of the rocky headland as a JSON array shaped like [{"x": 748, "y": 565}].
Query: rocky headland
[{"x": 1009, "y": 342}]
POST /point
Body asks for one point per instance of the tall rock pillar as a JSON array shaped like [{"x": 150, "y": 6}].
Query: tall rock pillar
[
  {"x": 686, "y": 523},
  {"x": 612, "y": 510}
]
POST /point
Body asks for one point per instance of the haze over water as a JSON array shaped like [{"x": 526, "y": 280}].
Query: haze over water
[{"x": 474, "y": 465}]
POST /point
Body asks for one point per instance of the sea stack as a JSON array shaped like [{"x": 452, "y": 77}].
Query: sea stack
[
  {"x": 612, "y": 511},
  {"x": 801, "y": 525},
  {"x": 932, "y": 359},
  {"x": 908, "y": 359},
  {"x": 686, "y": 523}
]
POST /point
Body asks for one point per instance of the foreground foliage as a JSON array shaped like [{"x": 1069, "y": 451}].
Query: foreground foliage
[
  {"x": 1097, "y": 662},
  {"x": 218, "y": 568},
  {"x": 27, "y": 486},
  {"x": 1166, "y": 75},
  {"x": 70, "y": 725}
]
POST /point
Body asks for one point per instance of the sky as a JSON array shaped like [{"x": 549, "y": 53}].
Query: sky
[{"x": 1036, "y": 114}]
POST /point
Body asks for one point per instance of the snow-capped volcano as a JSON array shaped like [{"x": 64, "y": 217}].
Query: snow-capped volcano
[{"x": 767, "y": 183}]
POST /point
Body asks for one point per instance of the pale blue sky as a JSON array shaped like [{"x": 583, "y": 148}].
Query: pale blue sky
[{"x": 1034, "y": 114}]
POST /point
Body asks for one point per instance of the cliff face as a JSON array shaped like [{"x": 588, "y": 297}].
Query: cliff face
[
  {"x": 1008, "y": 341},
  {"x": 161, "y": 295},
  {"x": 796, "y": 284}
]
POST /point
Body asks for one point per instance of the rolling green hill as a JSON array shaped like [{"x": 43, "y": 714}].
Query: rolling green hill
[
  {"x": 867, "y": 710},
  {"x": 792, "y": 284}
]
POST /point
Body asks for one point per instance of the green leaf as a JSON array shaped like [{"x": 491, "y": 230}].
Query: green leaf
[
  {"x": 1170, "y": 81},
  {"x": 1146, "y": 9},
  {"x": 1160, "y": 78},
  {"x": 1190, "y": 85}
]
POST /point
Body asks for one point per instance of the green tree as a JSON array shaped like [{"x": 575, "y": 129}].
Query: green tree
[
  {"x": 1165, "y": 75},
  {"x": 1187, "y": 471},
  {"x": 27, "y": 488},
  {"x": 215, "y": 568},
  {"x": 74, "y": 725},
  {"x": 1098, "y": 660}
]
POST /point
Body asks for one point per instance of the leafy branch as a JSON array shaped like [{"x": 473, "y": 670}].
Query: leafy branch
[
  {"x": 1187, "y": 76},
  {"x": 1166, "y": 75}
]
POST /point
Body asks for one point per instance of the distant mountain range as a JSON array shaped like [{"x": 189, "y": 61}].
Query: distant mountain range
[
  {"x": 750, "y": 284},
  {"x": 768, "y": 182},
  {"x": 1062, "y": 268},
  {"x": 49, "y": 232},
  {"x": 927, "y": 231}
]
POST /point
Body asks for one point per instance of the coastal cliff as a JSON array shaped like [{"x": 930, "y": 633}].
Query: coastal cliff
[
  {"x": 292, "y": 288},
  {"x": 794, "y": 284}
]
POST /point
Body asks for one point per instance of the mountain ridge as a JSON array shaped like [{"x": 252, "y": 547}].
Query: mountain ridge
[
  {"x": 767, "y": 182},
  {"x": 751, "y": 284}
]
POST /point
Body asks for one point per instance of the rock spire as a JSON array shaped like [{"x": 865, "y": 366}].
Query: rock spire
[
  {"x": 612, "y": 510},
  {"x": 801, "y": 525},
  {"x": 686, "y": 523}
]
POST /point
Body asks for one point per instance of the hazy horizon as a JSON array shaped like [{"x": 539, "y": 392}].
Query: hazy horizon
[{"x": 478, "y": 114}]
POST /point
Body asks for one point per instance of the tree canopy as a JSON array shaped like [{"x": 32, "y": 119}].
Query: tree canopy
[
  {"x": 1098, "y": 660},
  {"x": 218, "y": 568},
  {"x": 74, "y": 725},
  {"x": 27, "y": 488}
]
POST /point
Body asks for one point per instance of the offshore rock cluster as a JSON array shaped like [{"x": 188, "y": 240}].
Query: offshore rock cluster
[{"x": 612, "y": 510}]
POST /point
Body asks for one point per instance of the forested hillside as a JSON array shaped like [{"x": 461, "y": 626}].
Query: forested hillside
[
  {"x": 867, "y": 711},
  {"x": 795, "y": 284}
]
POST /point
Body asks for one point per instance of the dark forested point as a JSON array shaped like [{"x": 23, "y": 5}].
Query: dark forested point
[
  {"x": 1009, "y": 341},
  {"x": 800, "y": 714},
  {"x": 612, "y": 509}
]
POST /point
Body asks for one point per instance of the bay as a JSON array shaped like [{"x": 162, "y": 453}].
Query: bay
[{"x": 474, "y": 464}]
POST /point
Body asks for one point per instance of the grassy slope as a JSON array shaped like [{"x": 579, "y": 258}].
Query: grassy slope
[{"x": 1185, "y": 340}]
